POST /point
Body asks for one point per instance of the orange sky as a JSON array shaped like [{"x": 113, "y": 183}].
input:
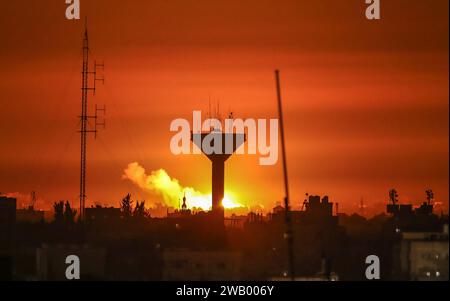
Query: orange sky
[{"x": 366, "y": 102}]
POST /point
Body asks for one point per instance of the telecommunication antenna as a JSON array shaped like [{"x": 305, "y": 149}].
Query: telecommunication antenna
[
  {"x": 393, "y": 196},
  {"x": 85, "y": 117},
  {"x": 289, "y": 234}
]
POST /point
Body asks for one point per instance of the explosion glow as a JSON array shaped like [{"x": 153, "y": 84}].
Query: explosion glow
[
  {"x": 171, "y": 190},
  {"x": 204, "y": 202}
]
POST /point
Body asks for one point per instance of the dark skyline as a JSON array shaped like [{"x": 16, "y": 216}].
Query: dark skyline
[{"x": 366, "y": 103}]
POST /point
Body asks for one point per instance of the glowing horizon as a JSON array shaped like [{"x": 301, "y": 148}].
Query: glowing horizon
[{"x": 365, "y": 103}]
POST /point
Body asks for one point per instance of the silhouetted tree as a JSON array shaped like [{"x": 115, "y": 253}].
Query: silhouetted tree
[
  {"x": 126, "y": 206},
  {"x": 58, "y": 207},
  {"x": 139, "y": 211},
  {"x": 69, "y": 214}
]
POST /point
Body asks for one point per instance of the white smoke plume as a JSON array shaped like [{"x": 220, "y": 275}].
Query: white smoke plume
[{"x": 159, "y": 182}]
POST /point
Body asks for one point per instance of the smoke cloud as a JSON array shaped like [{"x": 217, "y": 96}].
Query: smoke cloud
[{"x": 160, "y": 183}]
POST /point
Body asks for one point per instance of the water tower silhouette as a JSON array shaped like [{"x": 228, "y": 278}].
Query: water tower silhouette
[{"x": 227, "y": 143}]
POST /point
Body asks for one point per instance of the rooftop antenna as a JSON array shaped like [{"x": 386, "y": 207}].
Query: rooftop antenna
[
  {"x": 430, "y": 196},
  {"x": 230, "y": 113},
  {"x": 218, "y": 111},
  {"x": 85, "y": 117},
  {"x": 393, "y": 196},
  {"x": 209, "y": 111},
  {"x": 288, "y": 235}
]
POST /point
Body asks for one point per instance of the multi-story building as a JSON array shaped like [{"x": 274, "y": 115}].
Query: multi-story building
[{"x": 424, "y": 255}]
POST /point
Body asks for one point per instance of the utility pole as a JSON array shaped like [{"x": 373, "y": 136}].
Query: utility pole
[
  {"x": 289, "y": 233},
  {"x": 84, "y": 118}
]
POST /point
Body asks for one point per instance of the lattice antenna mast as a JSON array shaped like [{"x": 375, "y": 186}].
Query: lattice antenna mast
[{"x": 86, "y": 127}]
